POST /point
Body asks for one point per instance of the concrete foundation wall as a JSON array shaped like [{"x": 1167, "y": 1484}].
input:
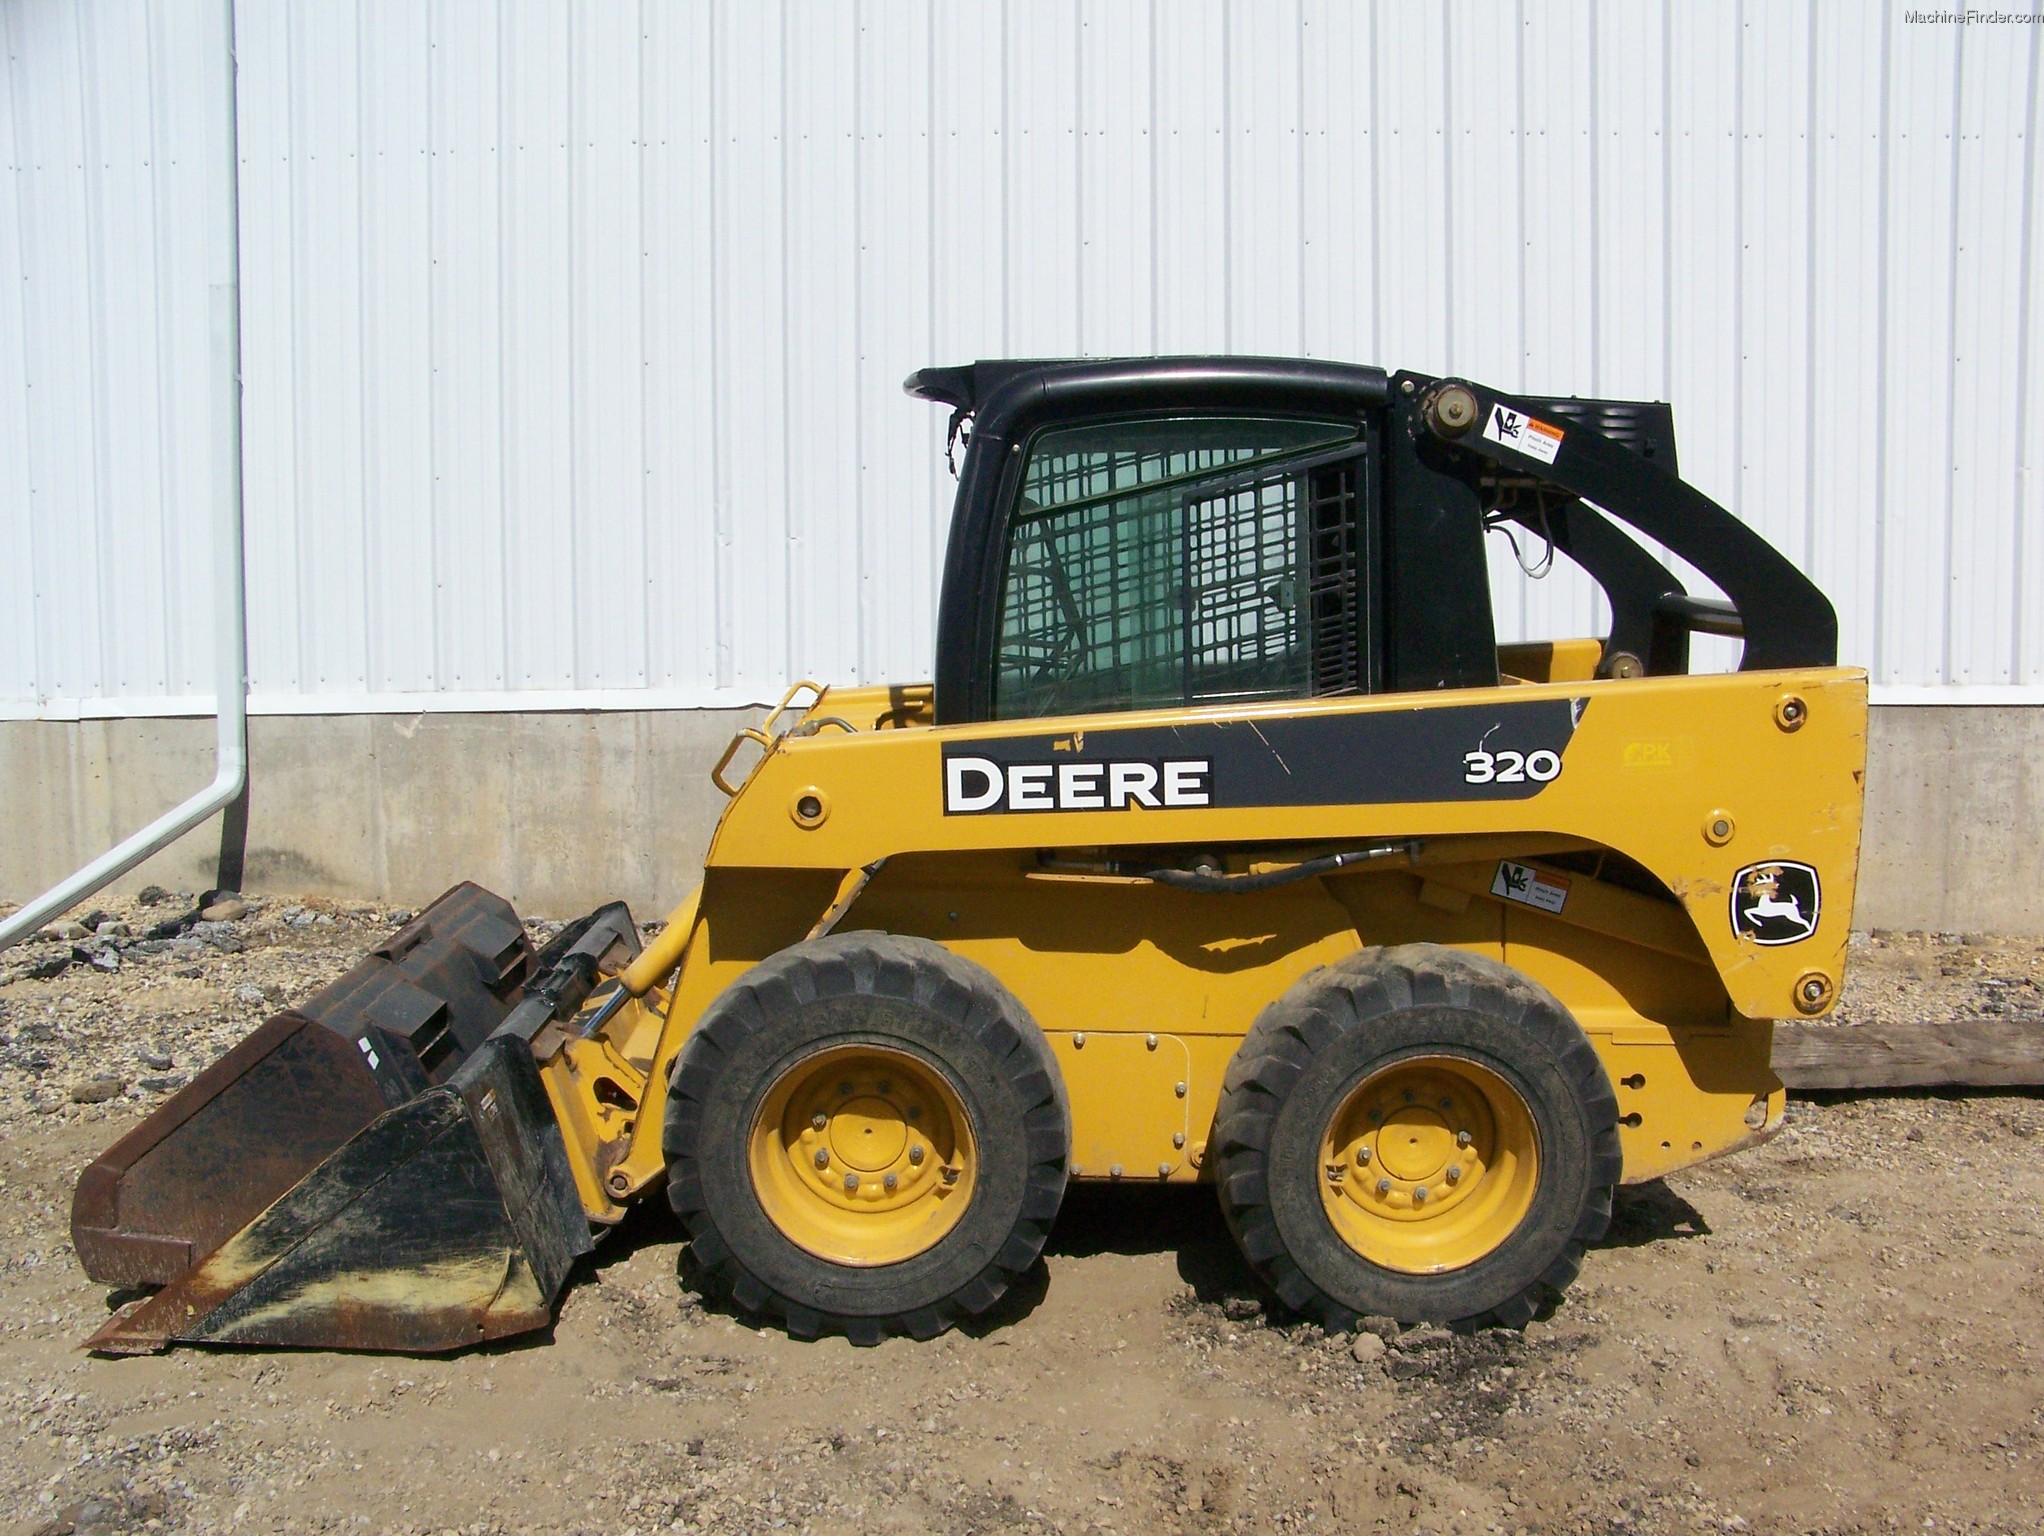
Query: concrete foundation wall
[
  {"x": 556, "y": 812},
  {"x": 561, "y": 811},
  {"x": 1955, "y": 820}
]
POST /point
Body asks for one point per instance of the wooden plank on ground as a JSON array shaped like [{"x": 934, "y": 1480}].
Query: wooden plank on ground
[{"x": 1956, "y": 1053}]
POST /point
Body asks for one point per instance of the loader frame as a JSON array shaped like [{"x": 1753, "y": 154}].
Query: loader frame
[
  {"x": 1671, "y": 785},
  {"x": 1661, "y": 861}
]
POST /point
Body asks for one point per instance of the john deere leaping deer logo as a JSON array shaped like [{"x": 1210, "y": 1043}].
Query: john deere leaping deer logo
[{"x": 1775, "y": 903}]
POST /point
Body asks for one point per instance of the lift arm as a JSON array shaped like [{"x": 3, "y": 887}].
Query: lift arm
[{"x": 1786, "y": 621}]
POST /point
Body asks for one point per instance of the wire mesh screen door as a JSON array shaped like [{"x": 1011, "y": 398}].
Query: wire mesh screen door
[
  {"x": 1233, "y": 585},
  {"x": 1243, "y": 636},
  {"x": 1277, "y": 600}
]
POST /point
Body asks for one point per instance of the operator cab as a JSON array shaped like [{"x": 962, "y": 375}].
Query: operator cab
[{"x": 1164, "y": 533}]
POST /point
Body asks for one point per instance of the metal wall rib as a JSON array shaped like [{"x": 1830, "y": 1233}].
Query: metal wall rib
[{"x": 573, "y": 334}]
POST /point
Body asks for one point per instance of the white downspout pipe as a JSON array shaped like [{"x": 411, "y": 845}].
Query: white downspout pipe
[{"x": 230, "y": 634}]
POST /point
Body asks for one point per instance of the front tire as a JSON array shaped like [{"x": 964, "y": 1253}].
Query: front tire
[
  {"x": 866, "y": 1134},
  {"x": 1417, "y": 1133}
]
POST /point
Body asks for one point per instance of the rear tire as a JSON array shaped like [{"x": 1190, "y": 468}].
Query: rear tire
[
  {"x": 939, "y": 1164},
  {"x": 1475, "y": 1068}
]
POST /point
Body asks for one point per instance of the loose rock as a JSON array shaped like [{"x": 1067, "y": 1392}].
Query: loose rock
[
  {"x": 1425, "y": 1336},
  {"x": 171, "y": 927},
  {"x": 97, "y": 1090},
  {"x": 1367, "y": 1348},
  {"x": 228, "y": 909}
]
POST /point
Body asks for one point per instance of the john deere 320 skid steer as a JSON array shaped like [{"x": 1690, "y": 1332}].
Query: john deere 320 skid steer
[{"x": 1227, "y": 846}]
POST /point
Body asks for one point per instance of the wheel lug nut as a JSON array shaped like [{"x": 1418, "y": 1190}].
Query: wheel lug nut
[
  {"x": 1447, "y": 1103},
  {"x": 823, "y": 1157},
  {"x": 886, "y": 1086},
  {"x": 915, "y": 1111},
  {"x": 1455, "y": 1174},
  {"x": 851, "y": 1181},
  {"x": 844, "y": 1089},
  {"x": 1419, "y": 1194},
  {"x": 915, "y": 1155},
  {"x": 1409, "y": 1095},
  {"x": 1463, "y": 1138},
  {"x": 890, "y": 1181},
  {"x": 819, "y": 1120},
  {"x": 950, "y": 1175},
  {"x": 1362, "y": 1157},
  {"x": 1383, "y": 1186}
]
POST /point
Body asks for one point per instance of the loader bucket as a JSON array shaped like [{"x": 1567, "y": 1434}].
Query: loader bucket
[
  {"x": 255, "y": 1122},
  {"x": 450, "y": 1220},
  {"x": 380, "y": 1169}
]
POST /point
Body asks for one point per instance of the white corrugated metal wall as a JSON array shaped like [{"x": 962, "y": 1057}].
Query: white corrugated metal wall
[{"x": 573, "y": 334}]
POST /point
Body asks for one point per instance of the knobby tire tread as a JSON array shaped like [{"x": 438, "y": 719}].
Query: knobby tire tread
[
  {"x": 1325, "y": 1006},
  {"x": 906, "y": 969}
]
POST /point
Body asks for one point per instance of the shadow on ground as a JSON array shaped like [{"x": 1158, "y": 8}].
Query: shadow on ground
[
  {"x": 1651, "y": 1213},
  {"x": 1172, "y": 1218},
  {"x": 1095, "y": 1219},
  {"x": 1177, "y": 1219}
]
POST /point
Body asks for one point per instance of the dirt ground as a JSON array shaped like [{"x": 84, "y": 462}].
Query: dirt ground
[{"x": 1837, "y": 1333}]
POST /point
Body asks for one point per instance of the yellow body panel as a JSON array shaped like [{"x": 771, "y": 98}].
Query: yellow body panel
[
  {"x": 1130, "y": 1114},
  {"x": 1654, "y": 763},
  {"x": 1551, "y": 661},
  {"x": 1692, "y": 778}
]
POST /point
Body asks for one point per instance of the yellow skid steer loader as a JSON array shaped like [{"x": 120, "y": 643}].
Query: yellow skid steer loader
[{"x": 1226, "y": 846}]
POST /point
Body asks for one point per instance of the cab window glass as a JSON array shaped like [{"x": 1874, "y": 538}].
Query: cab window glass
[{"x": 1201, "y": 560}]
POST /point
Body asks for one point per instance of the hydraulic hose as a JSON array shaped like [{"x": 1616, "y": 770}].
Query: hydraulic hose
[{"x": 1214, "y": 884}]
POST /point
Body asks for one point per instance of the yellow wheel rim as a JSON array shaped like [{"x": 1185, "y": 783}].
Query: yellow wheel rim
[
  {"x": 1429, "y": 1165},
  {"x": 863, "y": 1155}
]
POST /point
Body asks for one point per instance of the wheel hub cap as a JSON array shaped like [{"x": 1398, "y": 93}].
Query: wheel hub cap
[
  {"x": 1429, "y": 1164},
  {"x": 863, "y": 1155},
  {"x": 1414, "y": 1145},
  {"x": 868, "y": 1134}
]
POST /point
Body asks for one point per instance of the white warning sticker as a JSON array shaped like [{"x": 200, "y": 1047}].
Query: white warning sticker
[
  {"x": 1526, "y": 434},
  {"x": 1529, "y": 886}
]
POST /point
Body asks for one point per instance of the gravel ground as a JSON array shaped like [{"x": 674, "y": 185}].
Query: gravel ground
[{"x": 1836, "y": 1333}]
